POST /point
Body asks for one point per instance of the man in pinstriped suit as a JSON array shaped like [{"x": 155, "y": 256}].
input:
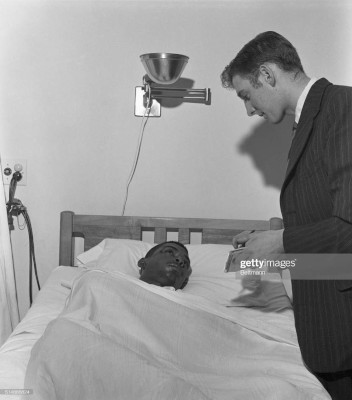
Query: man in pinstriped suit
[{"x": 316, "y": 196}]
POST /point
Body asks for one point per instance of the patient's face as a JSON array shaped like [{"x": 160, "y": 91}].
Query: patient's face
[{"x": 169, "y": 265}]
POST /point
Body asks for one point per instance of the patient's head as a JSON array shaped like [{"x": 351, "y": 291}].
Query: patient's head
[{"x": 166, "y": 264}]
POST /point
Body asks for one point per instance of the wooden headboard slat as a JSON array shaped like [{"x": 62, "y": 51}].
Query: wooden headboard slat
[
  {"x": 95, "y": 228},
  {"x": 159, "y": 222},
  {"x": 184, "y": 236},
  {"x": 160, "y": 235},
  {"x": 219, "y": 235},
  {"x": 94, "y": 234},
  {"x": 66, "y": 240}
]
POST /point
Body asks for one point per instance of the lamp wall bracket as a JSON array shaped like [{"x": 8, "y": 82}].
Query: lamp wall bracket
[
  {"x": 153, "y": 94},
  {"x": 141, "y": 107}
]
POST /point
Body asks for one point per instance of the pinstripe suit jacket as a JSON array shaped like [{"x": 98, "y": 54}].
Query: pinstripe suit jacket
[{"x": 316, "y": 204}]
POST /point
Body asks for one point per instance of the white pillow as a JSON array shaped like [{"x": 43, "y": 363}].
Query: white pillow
[
  {"x": 91, "y": 254},
  {"x": 207, "y": 280},
  {"x": 123, "y": 254},
  {"x": 208, "y": 258},
  {"x": 116, "y": 254}
]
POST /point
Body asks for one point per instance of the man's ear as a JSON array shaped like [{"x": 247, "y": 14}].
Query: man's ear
[
  {"x": 267, "y": 74},
  {"x": 141, "y": 265}
]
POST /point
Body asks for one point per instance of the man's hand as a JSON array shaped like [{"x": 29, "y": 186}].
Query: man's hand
[
  {"x": 256, "y": 246},
  {"x": 259, "y": 245}
]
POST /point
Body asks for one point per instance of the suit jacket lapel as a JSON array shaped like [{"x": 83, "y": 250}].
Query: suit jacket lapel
[{"x": 310, "y": 110}]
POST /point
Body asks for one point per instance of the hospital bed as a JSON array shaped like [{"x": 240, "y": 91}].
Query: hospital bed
[{"x": 96, "y": 331}]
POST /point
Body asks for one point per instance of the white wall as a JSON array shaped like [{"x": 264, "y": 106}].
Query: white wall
[{"x": 68, "y": 73}]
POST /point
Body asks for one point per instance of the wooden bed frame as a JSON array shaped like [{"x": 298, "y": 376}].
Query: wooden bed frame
[{"x": 94, "y": 228}]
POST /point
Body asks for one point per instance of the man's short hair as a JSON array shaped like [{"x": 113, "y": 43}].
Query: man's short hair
[
  {"x": 266, "y": 47},
  {"x": 153, "y": 249}
]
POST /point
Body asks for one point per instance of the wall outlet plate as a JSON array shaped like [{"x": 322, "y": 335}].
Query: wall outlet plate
[
  {"x": 140, "y": 106},
  {"x": 9, "y": 166}
]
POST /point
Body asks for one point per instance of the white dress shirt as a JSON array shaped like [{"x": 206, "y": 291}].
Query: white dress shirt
[{"x": 302, "y": 99}]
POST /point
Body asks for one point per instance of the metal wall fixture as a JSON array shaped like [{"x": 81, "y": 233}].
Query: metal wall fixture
[{"x": 164, "y": 69}]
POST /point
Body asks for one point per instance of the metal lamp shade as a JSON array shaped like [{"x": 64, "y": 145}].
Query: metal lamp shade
[{"x": 164, "y": 68}]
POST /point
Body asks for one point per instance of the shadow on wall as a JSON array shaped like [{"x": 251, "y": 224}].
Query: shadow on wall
[
  {"x": 268, "y": 146},
  {"x": 180, "y": 83},
  {"x": 181, "y": 91}
]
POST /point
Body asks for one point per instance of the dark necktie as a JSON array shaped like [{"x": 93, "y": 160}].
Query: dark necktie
[{"x": 294, "y": 128}]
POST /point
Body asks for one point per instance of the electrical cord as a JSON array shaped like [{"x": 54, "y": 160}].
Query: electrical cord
[
  {"x": 140, "y": 139},
  {"x": 16, "y": 208},
  {"x": 32, "y": 259}
]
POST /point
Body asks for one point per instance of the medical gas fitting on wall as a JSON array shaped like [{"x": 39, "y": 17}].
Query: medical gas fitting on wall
[
  {"x": 16, "y": 166},
  {"x": 164, "y": 69}
]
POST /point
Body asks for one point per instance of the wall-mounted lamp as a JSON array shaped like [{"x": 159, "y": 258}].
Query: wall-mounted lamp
[{"x": 164, "y": 69}]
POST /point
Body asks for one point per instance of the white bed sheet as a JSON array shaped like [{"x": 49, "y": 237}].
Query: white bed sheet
[
  {"x": 142, "y": 342},
  {"x": 208, "y": 283},
  {"x": 15, "y": 352}
]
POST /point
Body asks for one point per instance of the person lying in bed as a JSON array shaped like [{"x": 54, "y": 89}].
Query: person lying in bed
[{"x": 166, "y": 264}]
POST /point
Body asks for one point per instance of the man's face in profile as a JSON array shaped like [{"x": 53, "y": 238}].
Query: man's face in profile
[{"x": 168, "y": 265}]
